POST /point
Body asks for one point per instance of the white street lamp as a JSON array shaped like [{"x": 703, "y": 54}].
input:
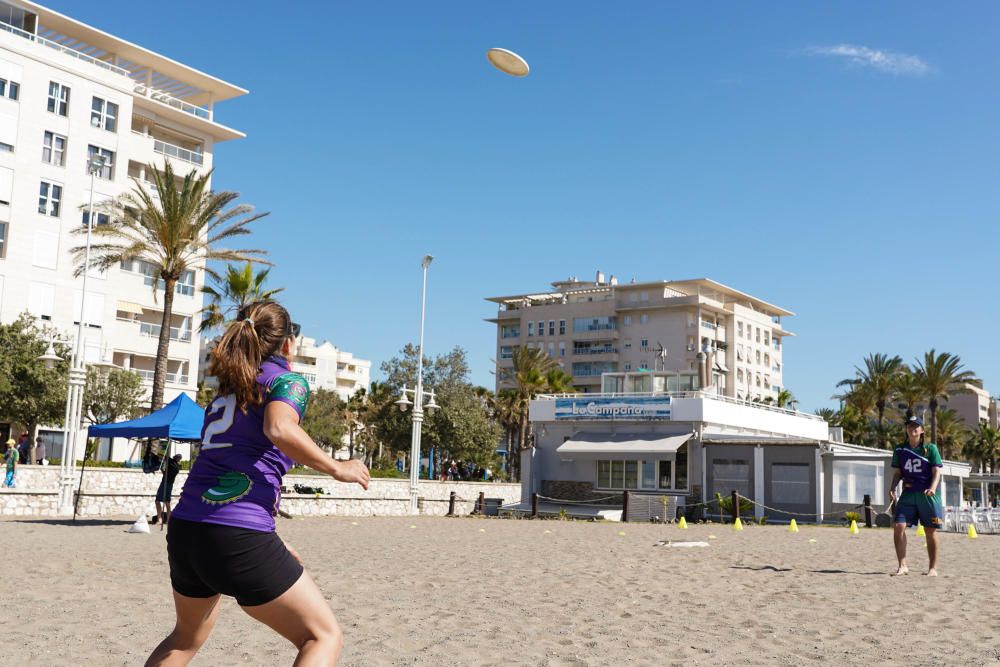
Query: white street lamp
[
  {"x": 418, "y": 397},
  {"x": 77, "y": 369}
]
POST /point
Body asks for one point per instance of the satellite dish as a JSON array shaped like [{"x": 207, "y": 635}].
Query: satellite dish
[{"x": 508, "y": 62}]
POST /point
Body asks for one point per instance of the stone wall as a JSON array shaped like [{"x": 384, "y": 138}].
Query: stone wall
[
  {"x": 129, "y": 492},
  {"x": 579, "y": 491}
]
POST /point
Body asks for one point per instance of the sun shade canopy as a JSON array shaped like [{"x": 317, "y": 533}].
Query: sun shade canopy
[
  {"x": 622, "y": 443},
  {"x": 181, "y": 419}
]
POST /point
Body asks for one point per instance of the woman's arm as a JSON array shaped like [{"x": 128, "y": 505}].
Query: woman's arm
[
  {"x": 897, "y": 475},
  {"x": 281, "y": 426}
]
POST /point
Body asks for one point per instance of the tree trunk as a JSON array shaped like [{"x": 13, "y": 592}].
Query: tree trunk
[
  {"x": 881, "y": 414},
  {"x": 933, "y": 406},
  {"x": 163, "y": 346}
]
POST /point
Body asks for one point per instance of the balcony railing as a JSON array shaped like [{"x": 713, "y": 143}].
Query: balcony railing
[
  {"x": 595, "y": 350},
  {"x": 153, "y": 331},
  {"x": 170, "y": 150},
  {"x": 169, "y": 100},
  {"x": 79, "y": 55},
  {"x": 172, "y": 378}
]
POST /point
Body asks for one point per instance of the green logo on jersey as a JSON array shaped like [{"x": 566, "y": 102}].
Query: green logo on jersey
[{"x": 231, "y": 487}]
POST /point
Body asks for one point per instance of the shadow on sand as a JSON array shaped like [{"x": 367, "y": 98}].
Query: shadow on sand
[{"x": 78, "y": 522}]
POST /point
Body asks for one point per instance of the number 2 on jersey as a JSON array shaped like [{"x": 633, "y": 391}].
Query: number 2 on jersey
[{"x": 226, "y": 407}]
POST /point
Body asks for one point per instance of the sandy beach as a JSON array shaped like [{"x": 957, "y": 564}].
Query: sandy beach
[{"x": 437, "y": 591}]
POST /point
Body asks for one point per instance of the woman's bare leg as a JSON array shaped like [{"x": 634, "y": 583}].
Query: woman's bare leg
[
  {"x": 195, "y": 620},
  {"x": 302, "y": 616}
]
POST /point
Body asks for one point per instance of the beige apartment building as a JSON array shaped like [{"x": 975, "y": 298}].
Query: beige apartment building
[
  {"x": 684, "y": 334},
  {"x": 974, "y": 406},
  {"x": 69, "y": 91}
]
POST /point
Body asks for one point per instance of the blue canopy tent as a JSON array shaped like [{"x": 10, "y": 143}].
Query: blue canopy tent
[{"x": 181, "y": 419}]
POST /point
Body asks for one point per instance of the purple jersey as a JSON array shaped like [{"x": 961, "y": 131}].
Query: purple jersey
[{"x": 236, "y": 479}]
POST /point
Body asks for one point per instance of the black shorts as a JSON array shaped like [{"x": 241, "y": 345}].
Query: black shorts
[{"x": 251, "y": 566}]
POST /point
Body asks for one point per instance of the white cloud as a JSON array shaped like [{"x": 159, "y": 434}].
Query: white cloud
[{"x": 890, "y": 62}]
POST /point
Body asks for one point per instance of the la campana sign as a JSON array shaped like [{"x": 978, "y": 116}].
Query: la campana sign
[{"x": 609, "y": 408}]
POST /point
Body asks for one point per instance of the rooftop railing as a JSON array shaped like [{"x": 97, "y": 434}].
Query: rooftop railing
[
  {"x": 685, "y": 394},
  {"x": 79, "y": 55},
  {"x": 169, "y": 100}
]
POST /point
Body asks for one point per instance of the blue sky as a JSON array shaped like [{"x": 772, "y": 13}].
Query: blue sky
[{"x": 839, "y": 160}]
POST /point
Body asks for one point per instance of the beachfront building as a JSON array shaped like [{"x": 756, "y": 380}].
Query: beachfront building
[
  {"x": 700, "y": 333},
  {"x": 973, "y": 405},
  {"x": 325, "y": 366},
  {"x": 69, "y": 91},
  {"x": 673, "y": 450}
]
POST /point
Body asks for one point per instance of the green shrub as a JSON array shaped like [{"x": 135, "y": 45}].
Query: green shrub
[{"x": 851, "y": 516}]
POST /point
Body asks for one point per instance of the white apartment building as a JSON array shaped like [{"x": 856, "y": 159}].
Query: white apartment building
[
  {"x": 694, "y": 333},
  {"x": 68, "y": 91},
  {"x": 325, "y": 366}
]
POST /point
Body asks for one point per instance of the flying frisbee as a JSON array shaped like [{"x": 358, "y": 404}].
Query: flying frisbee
[{"x": 508, "y": 62}]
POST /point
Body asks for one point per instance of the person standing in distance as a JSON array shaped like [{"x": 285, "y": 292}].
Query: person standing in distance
[
  {"x": 221, "y": 536},
  {"x": 918, "y": 465}
]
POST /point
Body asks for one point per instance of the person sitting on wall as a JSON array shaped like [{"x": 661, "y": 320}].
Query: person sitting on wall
[{"x": 11, "y": 457}]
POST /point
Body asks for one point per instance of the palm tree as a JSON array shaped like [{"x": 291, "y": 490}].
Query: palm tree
[
  {"x": 989, "y": 441},
  {"x": 235, "y": 290},
  {"x": 941, "y": 375},
  {"x": 785, "y": 399},
  {"x": 908, "y": 389},
  {"x": 829, "y": 415},
  {"x": 176, "y": 228},
  {"x": 952, "y": 432},
  {"x": 878, "y": 377}
]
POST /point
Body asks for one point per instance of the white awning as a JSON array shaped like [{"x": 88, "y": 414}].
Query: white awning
[
  {"x": 622, "y": 443},
  {"x": 721, "y": 367},
  {"x": 129, "y": 307}
]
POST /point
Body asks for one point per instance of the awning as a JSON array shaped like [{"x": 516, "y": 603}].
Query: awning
[
  {"x": 622, "y": 443},
  {"x": 721, "y": 367},
  {"x": 737, "y": 439},
  {"x": 129, "y": 307}
]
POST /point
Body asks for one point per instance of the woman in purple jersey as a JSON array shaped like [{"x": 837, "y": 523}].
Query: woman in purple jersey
[{"x": 221, "y": 539}]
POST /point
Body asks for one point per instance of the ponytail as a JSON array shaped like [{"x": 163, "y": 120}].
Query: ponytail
[{"x": 259, "y": 332}]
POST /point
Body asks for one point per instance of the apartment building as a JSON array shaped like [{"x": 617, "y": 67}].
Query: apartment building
[
  {"x": 679, "y": 334},
  {"x": 325, "y": 366},
  {"x": 974, "y": 406},
  {"x": 69, "y": 91}
]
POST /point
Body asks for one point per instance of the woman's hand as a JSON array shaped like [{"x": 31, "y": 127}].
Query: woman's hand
[{"x": 352, "y": 471}]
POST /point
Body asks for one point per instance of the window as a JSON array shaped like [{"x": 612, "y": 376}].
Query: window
[
  {"x": 3, "y": 240},
  {"x": 552, "y": 327},
  {"x": 757, "y": 329},
  {"x": 644, "y": 345},
  {"x": 648, "y": 480},
  {"x": 107, "y": 171},
  {"x": 54, "y": 149},
  {"x": 739, "y": 375},
  {"x": 552, "y": 349},
  {"x": 58, "y": 98},
  {"x": 853, "y": 479},
  {"x": 49, "y": 196},
  {"x": 767, "y": 338},
  {"x": 541, "y": 327},
  {"x": 739, "y": 352},
  {"x": 45, "y": 253},
  {"x": 627, "y": 321},
  {"x": 731, "y": 474},
  {"x": 9, "y": 89},
  {"x": 562, "y": 349},
  {"x": 185, "y": 285},
  {"x": 506, "y": 352},
  {"x": 562, "y": 327},
  {"x": 644, "y": 318},
  {"x": 99, "y": 218},
  {"x": 739, "y": 329},
  {"x": 104, "y": 114},
  {"x": 790, "y": 483},
  {"x": 531, "y": 328},
  {"x": 767, "y": 359},
  {"x": 584, "y": 324},
  {"x": 628, "y": 366},
  {"x": 604, "y": 474},
  {"x": 628, "y": 343},
  {"x": 510, "y": 330},
  {"x": 758, "y": 356},
  {"x": 665, "y": 478},
  {"x": 41, "y": 298}
]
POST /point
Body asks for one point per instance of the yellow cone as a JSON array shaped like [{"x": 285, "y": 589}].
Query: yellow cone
[
  {"x": 920, "y": 530},
  {"x": 972, "y": 532},
  {"x": 793, "y": 527},
  {"x": 682, "y": 524},
  {"x": 854, "y": 527},
  {"x": 738, "y": 525}
]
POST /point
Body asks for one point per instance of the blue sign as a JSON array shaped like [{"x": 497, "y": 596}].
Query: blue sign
[{"x": 606, "y": 408}]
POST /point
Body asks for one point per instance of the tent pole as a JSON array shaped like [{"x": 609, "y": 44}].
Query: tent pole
[{"x": 79, "y": 486}]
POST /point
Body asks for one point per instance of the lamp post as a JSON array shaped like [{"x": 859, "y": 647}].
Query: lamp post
[
  {"x": 418, "y": 395},
  {"x": 77, "y": 368}
]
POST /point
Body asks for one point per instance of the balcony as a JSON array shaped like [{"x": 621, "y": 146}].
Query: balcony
[
  {"x": 176, "y": 333},
  {"x": 172, "y": 378},
  {"x": 595, "y": 350},
  {"x": 181, "y": 105},
  {"x": 79, "y": 55},
  {"x": 170, "y": 150}
]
